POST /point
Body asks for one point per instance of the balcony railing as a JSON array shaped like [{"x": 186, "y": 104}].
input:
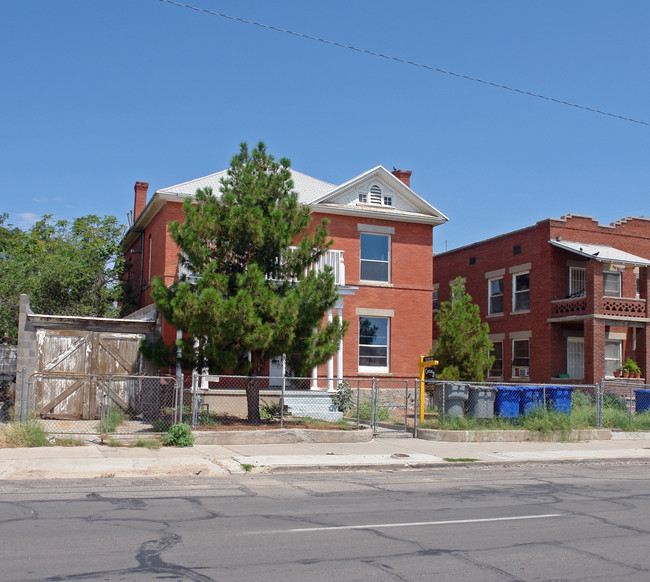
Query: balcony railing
[
  {"x": 571, "y": 306},
  {"x": 614, "y": 306},
  {"x": 331, "y": 258},
  {"x": 624, "y": 307}
]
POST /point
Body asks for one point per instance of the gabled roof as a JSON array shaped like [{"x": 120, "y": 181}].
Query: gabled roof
[
  {"x": 602, "y": 253},
  {"x": 308, "y": 188},
  {"x": 406, "y": 203}
]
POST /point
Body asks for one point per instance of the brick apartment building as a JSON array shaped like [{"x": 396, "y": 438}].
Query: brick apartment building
[
  {"x": 565, "y": 298},
  {"x": 381, "y": 256}
]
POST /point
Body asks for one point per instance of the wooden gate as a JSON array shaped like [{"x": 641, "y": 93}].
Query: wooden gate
[{"x": 71, "y": 366}]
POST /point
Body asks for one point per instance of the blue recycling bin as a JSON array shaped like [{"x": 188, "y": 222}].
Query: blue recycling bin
[
  {"x": 641, "y": 400},
  {"x": 558, "y": 398},
  {"x": 532, "y": 399},
  {"x": 507, "y": 401}
]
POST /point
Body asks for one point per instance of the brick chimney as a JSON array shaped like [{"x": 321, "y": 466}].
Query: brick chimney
[
  {"x": 403, "y": 175},
  {"x": 140, "y": 198}
]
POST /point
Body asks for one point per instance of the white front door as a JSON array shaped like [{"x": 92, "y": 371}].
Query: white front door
[{"x": 277, "y": 368}]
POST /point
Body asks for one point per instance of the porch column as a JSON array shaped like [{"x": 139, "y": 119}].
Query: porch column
[
  {"x": 330, "y": 362},
  {"x": 314, "y": 373}
]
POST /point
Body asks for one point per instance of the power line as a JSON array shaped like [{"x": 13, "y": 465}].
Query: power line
[{"x": 407, "y": 62}]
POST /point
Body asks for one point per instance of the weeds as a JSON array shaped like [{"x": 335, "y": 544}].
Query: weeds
[
  {"x": 365, "y": 412},
  {"x": 113, "y": 419},
  {"x": 152, "y": 444},
  {"x": 68, "y": 442},
  {"x": 23, "y": 434},
  {"x": 460, "y": 460}
]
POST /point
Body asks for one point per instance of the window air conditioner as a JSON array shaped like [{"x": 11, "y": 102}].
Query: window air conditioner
[{"x": 520, "y": 372}]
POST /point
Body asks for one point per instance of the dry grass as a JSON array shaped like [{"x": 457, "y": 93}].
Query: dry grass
[{"x": 23, "y": 434}]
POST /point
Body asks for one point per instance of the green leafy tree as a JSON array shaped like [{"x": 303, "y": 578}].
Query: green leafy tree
[
  {"x": 253, "y": 296},
  {"x": 463, "y": 348},
  {"x": 66, "y": 268}
]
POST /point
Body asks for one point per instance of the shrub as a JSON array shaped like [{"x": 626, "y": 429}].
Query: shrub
[
  {"x": 179, "y": 435},
  {"x": 342, "y": 398}
]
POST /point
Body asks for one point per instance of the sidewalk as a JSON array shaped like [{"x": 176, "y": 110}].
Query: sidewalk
[{"x": 101, "y": 461}]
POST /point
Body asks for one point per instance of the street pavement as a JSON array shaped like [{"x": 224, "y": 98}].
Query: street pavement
[{"x": 95, "y": 460}]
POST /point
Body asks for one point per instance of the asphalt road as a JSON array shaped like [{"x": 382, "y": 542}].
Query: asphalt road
[{"x": 530, "y": 523}]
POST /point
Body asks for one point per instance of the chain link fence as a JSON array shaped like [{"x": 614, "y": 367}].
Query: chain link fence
[
  {"x": 497, "y": 404},
  {"x": 101, "y": 405}
]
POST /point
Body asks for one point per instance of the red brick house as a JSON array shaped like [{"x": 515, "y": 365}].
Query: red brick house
[
  {"x": 564, "y": 298},
  {"x": 381, "y": 257}
]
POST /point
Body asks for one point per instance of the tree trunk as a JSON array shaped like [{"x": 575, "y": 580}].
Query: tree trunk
[{"x": 253, "y": 397}]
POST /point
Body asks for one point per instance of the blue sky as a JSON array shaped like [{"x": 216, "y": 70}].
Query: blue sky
[{"x": 98, "y": 94}]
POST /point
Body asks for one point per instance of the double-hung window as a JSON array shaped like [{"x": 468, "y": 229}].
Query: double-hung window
[
  {"x": 374, "y": 335},
  {"x": 613, "y": 351},
  {"x": 375, "y": 257},
  {"x": 496, "y": 371},
  {"x": 611, "y": 284},
  {"x": 521, "y": 292},
  {"x": 520, "y": 358},
  {"x": 495, "y": 296}
]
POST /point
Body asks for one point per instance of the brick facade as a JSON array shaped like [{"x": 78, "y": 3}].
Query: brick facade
[
  {"x": 405, "y": 298},
  {"x": 554, "y": 319}
]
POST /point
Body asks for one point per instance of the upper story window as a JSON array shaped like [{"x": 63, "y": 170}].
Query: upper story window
[
  {"x": 521, "y": 292},
  {"x": 577, "y": 282},
  {"x": 375, "y": 257},
  {"x": 436, "y": 303},
  {"x": 375, "y": 196},
  {"x": 611, "y": 284},
  {"x": 495, "y": 296}
]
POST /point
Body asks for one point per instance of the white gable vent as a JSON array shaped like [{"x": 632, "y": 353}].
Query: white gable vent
[{"x": 375, "y": 195}]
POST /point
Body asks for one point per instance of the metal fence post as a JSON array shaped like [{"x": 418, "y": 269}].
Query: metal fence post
[
  {"x": 23, "y": 395},
  {"x": 282, "y": 390}
]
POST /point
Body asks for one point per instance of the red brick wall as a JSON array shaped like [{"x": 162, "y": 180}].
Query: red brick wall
[
  {"x": 549, "y": 280},
  {"x": 409, "y": 295}
]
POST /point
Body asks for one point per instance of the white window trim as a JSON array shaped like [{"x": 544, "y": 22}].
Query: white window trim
[
  {"x": 514, "y": 291},
  {"x": 388, "y": 281},
  {"x": 375, "y": 369},
  {"x": 512, "y": 359},
  {"x": 489, "y": 307},
  {"x": 619, "y": 359}
]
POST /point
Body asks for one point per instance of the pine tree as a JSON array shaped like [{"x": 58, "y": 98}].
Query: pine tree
[
  {"x": 254, "y": 296},
  {"x": 463, "y": 348}
]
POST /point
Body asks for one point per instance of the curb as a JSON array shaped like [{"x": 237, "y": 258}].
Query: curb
[
  {"x": 439, "y": 465},
  {"x": 281, "y": 436},
  {"x": 511, "y": 436}
]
